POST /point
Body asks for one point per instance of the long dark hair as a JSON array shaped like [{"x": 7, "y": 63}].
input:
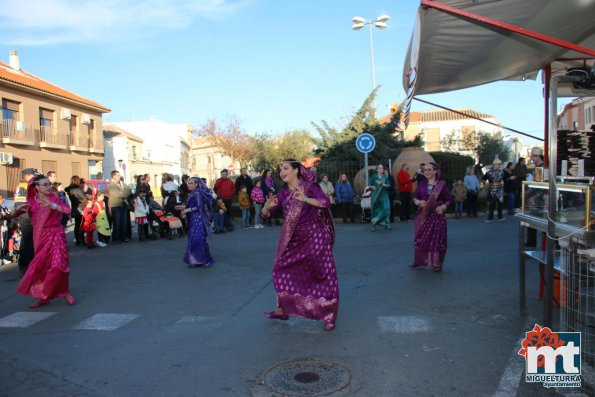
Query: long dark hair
[
  {"x": 296, "y": 165},
  {"x": 264, "y": 173}
]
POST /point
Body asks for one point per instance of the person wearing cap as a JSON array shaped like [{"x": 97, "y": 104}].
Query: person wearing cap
[
  {"x": 537, "y": 157},
  {"x": 26, "y": 249},
  {"x": 495, "y": 177}
]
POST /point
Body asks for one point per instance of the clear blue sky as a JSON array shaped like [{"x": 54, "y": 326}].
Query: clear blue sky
[{"x": 277, "y": 65}]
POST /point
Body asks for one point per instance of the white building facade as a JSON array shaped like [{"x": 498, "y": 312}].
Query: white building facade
[
  {"x": 436, "y": 127},
  {"x": 165, "y": 144}
]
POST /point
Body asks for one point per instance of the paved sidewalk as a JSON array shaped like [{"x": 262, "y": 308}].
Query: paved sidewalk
[{"x": 146, "y": 325}]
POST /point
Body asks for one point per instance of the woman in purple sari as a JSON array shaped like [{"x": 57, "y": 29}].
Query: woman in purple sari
[
  {"x": 430, "y": 233},
  {"x": 304, "y": 271},
  {"x": 198, "y": 212}
]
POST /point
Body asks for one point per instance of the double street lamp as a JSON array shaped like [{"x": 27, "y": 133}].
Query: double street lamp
[{"x": 380, "y": 23}]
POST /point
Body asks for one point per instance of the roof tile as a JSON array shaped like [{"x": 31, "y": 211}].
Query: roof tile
[{"x": 28, "y": 80}]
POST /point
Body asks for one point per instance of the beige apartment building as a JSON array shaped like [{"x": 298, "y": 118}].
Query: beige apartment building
[
  {"x": 46, "y": 127},
  {"x": 208, "y": 160}
]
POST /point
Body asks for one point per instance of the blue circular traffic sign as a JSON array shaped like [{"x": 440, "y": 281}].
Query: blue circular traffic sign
[{"x": 365, "y": 143}]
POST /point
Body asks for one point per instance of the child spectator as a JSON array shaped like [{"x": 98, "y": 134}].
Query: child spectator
[
  {"x": 141, "y": 213},
  {"x": 59, "y": 189},
  {"x": 5, "y": 233},
  {"x": 257, "y": 197},
  {"x": 219, "y": 216},
  {"x": 245, "y": 205},
  {"x": 88, "y": 225},
  {"x": 104, "y": 231},
  {"x": 459, "y": 193},
  {"x": 12, "y": 245}
]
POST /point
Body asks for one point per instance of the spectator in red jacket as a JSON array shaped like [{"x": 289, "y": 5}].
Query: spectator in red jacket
[
  {"x": 405, "y": 186},
  {"x": 225, "y": 189}
]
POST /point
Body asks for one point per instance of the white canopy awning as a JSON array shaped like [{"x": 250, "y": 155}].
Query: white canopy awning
[{"x": 450, "y": 52}]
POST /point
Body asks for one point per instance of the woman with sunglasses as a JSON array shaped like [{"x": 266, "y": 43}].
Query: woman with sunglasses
[
  {"x": 48, "y": 273},
  {"x": 432, "y": 198}
]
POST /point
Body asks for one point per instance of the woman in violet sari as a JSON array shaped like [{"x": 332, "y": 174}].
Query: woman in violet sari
[
  {"x": 430, "y": 233},
  {"x": 48, "y": 273},
  {"x": 198, "y": 212},
  {"x": 304, "y": 271},
  {"x": 380, "y": 185}
]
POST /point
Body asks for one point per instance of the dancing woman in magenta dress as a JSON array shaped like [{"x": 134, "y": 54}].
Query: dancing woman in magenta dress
[
  {"x": 304, "y": 273},
  {"x": 48, "y": 273},
  {"x": 430, "y": 233}
]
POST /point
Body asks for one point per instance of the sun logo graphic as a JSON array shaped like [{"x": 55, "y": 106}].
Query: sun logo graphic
[{"x": 552, "y": 358}]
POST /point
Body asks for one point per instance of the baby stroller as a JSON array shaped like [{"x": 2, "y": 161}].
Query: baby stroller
[
  {"x": 366, "y": 204},
  {"x": 169, "y": 226},
  {"x": 11, "y": 241}
]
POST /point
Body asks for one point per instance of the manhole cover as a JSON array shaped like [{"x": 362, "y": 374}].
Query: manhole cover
[{"x": 307, "y": 377}]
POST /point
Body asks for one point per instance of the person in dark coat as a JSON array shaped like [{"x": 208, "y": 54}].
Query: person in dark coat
[
  {"x": 26, "y": 250},
  {"x": 244, "y": 180},
  {"x": 520, "y": 171},
  {"x": 345, "y": 194},
  {"x": 391, "y": 194},
  {"x": 76, "y": 196}
]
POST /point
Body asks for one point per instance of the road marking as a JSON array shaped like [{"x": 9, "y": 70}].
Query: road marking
[
  {"x": 189, "y": 320},
  {"x": 106, "y": 321},
  {"x": 404, "y": 324},
  {"x": 511, "y": 378},
  {"x": 24, "y": 319}
]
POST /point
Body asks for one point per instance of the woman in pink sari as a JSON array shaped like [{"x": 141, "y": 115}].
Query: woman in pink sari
[
  {"x": 430, "y": 233},
  {"x": 47, "y": 275},
  {"x": 304, "y": 271}
]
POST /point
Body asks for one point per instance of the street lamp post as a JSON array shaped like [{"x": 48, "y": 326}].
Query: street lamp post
[{"x": 380, "y": 23}]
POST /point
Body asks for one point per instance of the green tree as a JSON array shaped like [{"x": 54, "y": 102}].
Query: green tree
[
  {"x": 263, "y": 145},
  {"x": 296, "y": 144},
  {"x": 484, "y": 145},
  {"x": 364, "y": 120},
  {"x": 270, "y": 149},
  {"x": 339, "y": 146},
  {"x": 451, "y": 142}
]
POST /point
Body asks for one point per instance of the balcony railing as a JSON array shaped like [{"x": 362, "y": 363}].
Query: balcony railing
[
  {"x": 79, "y": 142},
  {"x": 13, "y": 132},
  {"x": 96, "y": 144},
  {"x": 52, "y": 138}
]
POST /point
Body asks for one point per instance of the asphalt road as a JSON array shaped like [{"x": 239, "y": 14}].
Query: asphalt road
[{"x": 146, "y": 325}]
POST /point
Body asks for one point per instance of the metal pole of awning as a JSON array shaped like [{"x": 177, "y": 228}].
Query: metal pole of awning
[
  {"x": 551, "y": 224},
  {"x": 552, "y": 200}
]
